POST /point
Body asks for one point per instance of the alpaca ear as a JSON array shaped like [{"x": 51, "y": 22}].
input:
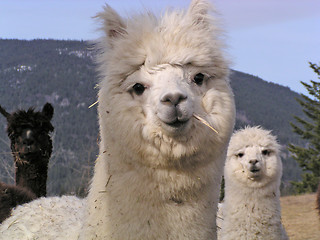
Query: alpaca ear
[
  {"x": 199, "y": 12},
  {"x": 47, "y": 111},
  {"x": 4, "y": 112},
  {"x": 113, "y": 25}
]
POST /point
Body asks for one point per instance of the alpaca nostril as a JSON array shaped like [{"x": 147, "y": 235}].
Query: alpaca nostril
[
  {"x": 28, "y": 142},
  {"x": 173, "y": 98},
  {"x": 253, "y": 161}
]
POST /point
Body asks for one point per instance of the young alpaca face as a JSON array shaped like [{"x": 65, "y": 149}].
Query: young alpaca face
[{"x": 253, "y": 157}]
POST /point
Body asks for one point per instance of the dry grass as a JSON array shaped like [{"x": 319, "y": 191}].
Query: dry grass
[
  {"x": 300, "y": 218},
  {"x": 204, "y": 122}
]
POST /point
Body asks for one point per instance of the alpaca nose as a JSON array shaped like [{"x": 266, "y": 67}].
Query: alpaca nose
[
  {"x": 253, "y": 161},
  {"x": 173, "y": 98},
  {"x": 28, "y": 142}
]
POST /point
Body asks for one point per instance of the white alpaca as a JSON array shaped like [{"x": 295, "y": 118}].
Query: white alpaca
[
  {"x": 159, "y": 168},
  {"x": 253, "y": 170}
]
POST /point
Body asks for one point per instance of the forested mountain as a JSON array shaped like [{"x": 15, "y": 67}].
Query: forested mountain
[{"x": 62, "y": 73}]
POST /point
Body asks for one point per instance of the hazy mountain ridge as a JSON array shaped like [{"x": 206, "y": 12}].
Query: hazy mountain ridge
[{"x": 62, "y": 73}]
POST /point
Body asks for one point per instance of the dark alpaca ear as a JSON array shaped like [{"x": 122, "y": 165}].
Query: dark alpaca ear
[
  {"x": 4, "y": 112},
  {"x": 48, "y": 111}
]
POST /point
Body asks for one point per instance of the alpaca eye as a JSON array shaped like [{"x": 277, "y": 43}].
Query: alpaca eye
[
  {"x": 265, "y": 152},
  {"x": 138, "y": 88},
  {"x": 198, "y": 79},
  {"x": 239, "y": 155}
]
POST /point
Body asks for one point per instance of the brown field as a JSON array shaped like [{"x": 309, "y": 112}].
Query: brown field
[{"x": 300, "y": 218}]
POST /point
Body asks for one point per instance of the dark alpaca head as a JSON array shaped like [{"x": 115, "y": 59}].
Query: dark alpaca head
[
  {"x": 29, "y": 132},
  {"x": 31, "y": 145}
]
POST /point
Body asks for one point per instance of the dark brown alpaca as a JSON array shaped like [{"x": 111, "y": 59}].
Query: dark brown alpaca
[
  {"x": 31, "y": 145},
  {"x": 10, "y": 197}
]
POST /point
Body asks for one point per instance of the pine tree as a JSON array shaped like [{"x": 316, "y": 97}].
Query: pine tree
[{"x": 308, "y": 128}]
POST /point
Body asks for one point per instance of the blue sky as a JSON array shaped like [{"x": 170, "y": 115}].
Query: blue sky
[{"x": 271, "y": 39}]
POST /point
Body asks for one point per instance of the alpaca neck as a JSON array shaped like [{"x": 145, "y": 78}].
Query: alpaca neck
[
  {"x": 32, "y": 175},
  {"x": 249, "y": 204},
  {"x": 148, "y": 203},
  {"x": 257, "y": 196}
]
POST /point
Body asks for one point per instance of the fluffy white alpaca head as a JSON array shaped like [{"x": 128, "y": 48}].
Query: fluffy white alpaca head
[
  {"x": 156, "y": 74},
  {"x": 253, "y": 158}
]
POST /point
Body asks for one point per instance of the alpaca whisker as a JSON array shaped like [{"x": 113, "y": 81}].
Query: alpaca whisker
[{"x": 205, "y": 123}]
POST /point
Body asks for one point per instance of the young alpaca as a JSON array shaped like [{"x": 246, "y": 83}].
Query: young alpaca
[
  {"x": 159, "y": 168},
  {"x": 31, "y": 145},
  {"x": 253, "y": 170}
]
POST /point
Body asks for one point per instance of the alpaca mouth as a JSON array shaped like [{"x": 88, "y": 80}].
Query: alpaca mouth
[
  {"x": 254, "y": 170},
  {"x": 176, "y": 127},
  {"x": 28, "y": 154},
  {"x": 177, "y": 123}
]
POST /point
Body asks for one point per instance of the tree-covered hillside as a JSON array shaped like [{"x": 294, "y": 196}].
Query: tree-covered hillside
[{"x": 62, "y": 73}]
